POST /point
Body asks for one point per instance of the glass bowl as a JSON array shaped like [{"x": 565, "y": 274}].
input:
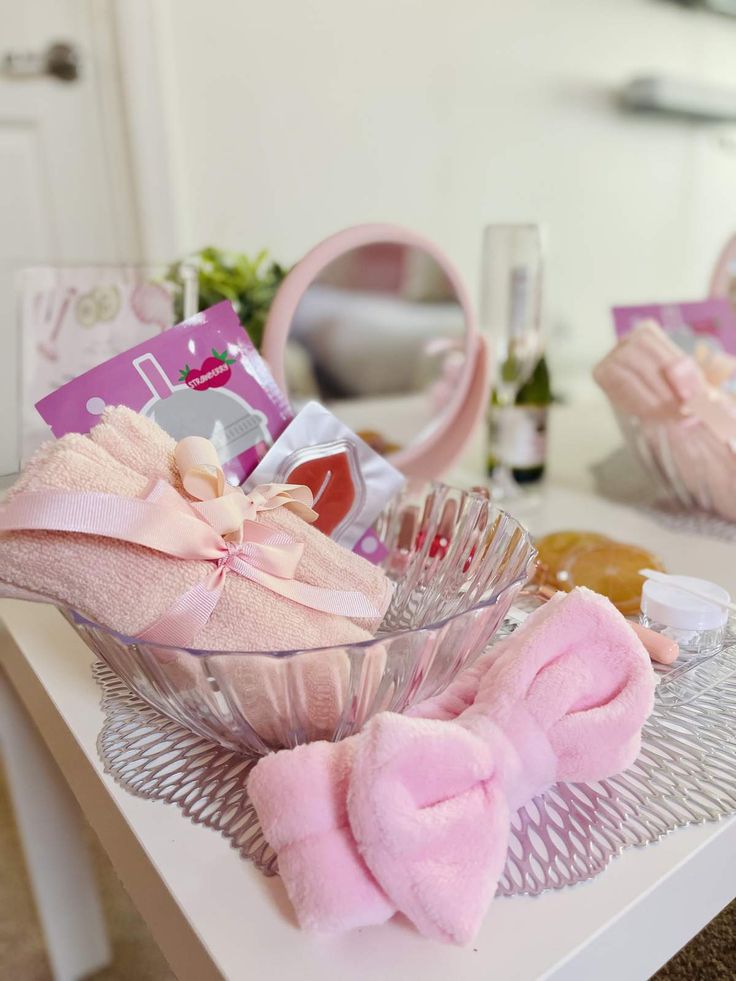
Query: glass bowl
[
  {"x": 457, "y": 562},
  {"x": 680, "y": 462}
]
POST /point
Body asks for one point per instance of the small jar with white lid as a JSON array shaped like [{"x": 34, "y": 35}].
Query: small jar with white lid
[{"x": 699, "y": 627}]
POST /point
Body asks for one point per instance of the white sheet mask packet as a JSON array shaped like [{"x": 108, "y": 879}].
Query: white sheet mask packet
[{"x": 351, "y": 483}]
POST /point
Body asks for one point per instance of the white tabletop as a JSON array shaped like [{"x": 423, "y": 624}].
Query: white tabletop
[{"x": 213, "y": 914}]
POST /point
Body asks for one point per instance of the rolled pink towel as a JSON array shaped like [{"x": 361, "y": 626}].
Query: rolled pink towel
[
  {"x": 127, "y": 587},
  {"x": 414, "y": 815},
  {"x": 685, "y": 427},
  {"x": 138, "y": 443},
  {"x": 635, "y": 373},
  {"x": 143, "y": 446}
]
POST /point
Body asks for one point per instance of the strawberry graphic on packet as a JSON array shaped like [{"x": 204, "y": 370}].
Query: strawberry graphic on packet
[{"x": 214, "y": 372}]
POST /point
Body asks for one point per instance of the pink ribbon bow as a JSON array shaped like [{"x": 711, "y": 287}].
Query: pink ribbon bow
[
  {"x": 413, "y": 814},
  {"x": 218, "y": 528},
  {"x": 701, "y": 401},
  {"x": 223, "y": 506}
]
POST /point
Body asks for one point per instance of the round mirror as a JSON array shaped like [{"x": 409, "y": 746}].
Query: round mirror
[{"x": 375, "y": 324}]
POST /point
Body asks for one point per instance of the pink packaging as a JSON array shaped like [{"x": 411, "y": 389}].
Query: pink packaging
[
  {"x": 203, "y": 377},
  {"x": 351, "y": 483},
  {"x": 711, "y": 321}
]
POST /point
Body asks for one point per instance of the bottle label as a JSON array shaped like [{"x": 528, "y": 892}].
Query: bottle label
[{"x": 522, "y": 436}]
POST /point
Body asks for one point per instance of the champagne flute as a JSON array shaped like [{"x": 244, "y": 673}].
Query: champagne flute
[{"x": 510, "y": 316}]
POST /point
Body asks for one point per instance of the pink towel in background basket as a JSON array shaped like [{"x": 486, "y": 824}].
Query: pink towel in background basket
[
  {"x": 634, "y": 375},
  {"x": 681, "y": 426}
]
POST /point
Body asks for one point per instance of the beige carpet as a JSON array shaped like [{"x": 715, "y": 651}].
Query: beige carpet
[
  {"x": 711, "y": 956},
  {"x": 22, "y": 956}
]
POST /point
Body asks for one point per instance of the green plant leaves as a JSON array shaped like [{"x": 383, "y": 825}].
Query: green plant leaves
[{"x": 249, "y": 284}]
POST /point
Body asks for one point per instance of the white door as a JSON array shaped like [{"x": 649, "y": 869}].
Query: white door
[{"x": 65, "y": 188}]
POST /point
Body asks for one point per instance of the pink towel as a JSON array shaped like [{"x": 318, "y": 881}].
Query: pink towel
[
  {"x": 412, "y": 814},
  {"x": 686, "y": 427},
  {"x": 634, "y": 373},
  {"x": 127, "y": 587},
  {"x": 141, "y": 445}
]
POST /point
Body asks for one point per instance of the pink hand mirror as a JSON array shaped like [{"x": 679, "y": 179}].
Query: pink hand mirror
[{"x": 375, "y": 322}]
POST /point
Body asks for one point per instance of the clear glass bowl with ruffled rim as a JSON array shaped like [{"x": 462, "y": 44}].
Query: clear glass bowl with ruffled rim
[{"x": 457, "y": 563}]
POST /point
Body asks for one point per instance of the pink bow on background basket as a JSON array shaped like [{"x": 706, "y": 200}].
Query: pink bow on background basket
[{"x": 219, "y": 527}]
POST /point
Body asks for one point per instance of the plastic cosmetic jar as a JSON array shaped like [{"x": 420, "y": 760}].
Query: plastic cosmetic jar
[{"x": 698, "y": 626}]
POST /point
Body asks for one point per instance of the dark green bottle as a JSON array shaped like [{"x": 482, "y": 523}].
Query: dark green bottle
[{"x": 519, "y": 431}]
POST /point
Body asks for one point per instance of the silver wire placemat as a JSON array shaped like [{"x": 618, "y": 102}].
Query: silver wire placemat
[
  {"x": 621, "y": 478},
  {"x": 685, "y": 774}
]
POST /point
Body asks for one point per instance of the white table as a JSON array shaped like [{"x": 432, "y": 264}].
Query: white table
[{"x": 215, "y": 915}]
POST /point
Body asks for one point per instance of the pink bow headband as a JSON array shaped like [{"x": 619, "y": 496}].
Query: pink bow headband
[
  {"x": 218, "y": 527},
  {"x": 413, "y": 814}
]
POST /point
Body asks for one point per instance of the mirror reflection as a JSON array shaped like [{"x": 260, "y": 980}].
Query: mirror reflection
[{"x": 379, "y": 337}]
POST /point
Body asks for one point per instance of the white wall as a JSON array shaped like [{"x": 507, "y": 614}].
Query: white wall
[{"x": 289, "y": 119}]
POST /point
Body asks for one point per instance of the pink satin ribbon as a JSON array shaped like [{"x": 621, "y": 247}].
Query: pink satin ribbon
[
  {"x": 700, "y": 401},
  {"x": 163, "y": 521},
  {"x": 223, "y": 506}
]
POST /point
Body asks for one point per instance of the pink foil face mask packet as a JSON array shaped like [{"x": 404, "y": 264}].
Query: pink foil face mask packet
[
  {"x": 351, "y": 483},
  {"x": 203, "y": 377}
]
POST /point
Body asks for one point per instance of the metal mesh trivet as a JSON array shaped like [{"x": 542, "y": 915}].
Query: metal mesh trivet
[
  {"x": 621, "y": 478},
  {"x": 685, "y": 774}
]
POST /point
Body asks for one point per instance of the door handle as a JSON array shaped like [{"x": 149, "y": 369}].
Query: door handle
[{"x": 60, "y": 60}]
